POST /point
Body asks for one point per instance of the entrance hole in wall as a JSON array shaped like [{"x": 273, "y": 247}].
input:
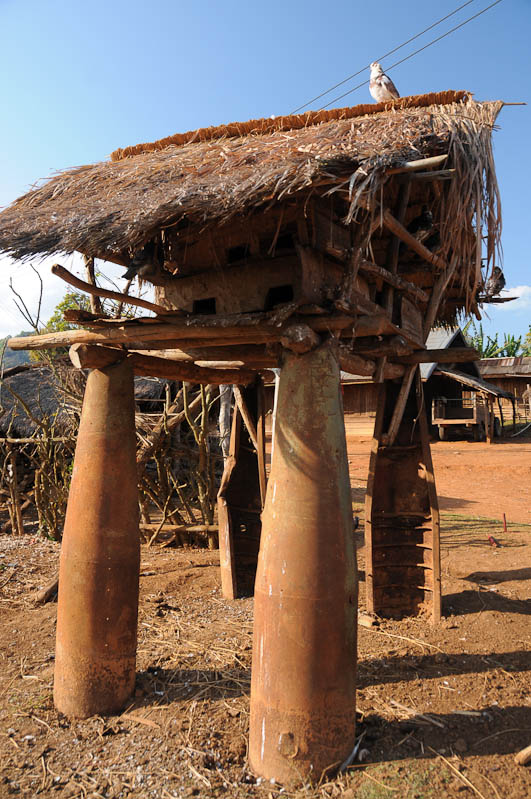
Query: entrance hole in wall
[
  {"x": 206, "y": 306},
  {"x": 239, "y": 253},
  {"x": 277, "y": 295}
]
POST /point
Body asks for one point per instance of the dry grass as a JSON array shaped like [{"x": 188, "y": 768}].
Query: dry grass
[{"x": 259, "y": 127}]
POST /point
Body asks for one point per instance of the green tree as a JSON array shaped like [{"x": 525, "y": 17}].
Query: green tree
[
  {"x": 489, "y": 346},
  {"x": 526, "y": 346},
  {"x": 71, "y": 301},
  {"x": 57, "y": 323}
]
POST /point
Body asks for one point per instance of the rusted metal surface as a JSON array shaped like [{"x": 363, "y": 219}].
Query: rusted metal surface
[
  {"x": 240, "y": 496},
  {"x": 402, "y": 528},
  {"x": 100, "y": 555},
  {"x": 304, "y": 647}
]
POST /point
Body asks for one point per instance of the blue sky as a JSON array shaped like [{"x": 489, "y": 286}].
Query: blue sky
[{"x": 80, "y": 79}]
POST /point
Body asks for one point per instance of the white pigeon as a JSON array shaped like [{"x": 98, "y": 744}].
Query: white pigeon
[{"x": 381, "y": 86}]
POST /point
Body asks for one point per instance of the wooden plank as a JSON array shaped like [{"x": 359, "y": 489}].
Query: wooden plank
[{"x": 411, "y": 321}]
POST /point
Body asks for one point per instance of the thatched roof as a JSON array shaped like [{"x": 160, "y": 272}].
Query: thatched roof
[
  {"x": 206, "y": 178},
  {"x": 31, "y": 393},
  {"x": 37, "y": 394}
]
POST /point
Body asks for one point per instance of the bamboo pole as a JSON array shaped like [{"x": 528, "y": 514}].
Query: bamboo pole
[{"x": 421, "y": 163}]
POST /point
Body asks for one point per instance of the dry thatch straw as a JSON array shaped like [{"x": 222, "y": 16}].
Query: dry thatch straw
[{"x": 207, "y": 178}]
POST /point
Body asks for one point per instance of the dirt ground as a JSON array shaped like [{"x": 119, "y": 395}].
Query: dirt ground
[{"x": 442, "y": 710}]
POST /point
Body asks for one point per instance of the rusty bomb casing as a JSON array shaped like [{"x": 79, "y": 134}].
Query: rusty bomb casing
[
  {"x": 100, "y": 554},
  {"x": 304, "y": 641}
]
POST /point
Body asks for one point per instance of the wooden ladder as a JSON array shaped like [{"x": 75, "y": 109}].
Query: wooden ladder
[{"x": 402, "y": 525}]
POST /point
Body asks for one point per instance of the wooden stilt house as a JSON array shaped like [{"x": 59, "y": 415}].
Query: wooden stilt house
[{"x": 332, "y": 239}]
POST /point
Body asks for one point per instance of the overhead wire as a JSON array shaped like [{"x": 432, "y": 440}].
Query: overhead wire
[
  {"x": 415, "y": 52},
  {"x": 381, "y": 58},
  {"x": 402, "y": 60}
]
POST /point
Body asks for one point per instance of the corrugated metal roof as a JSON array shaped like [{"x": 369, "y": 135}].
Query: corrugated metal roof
[
  {"x": 505, "y": 367},
  {"x": 439, "y": 338},
  {"x": 475, "y": 382}
]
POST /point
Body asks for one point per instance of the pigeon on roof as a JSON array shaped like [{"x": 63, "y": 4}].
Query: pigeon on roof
[
  {"x": 495, "y": 283},
  {"x": 381, "y": 86}
]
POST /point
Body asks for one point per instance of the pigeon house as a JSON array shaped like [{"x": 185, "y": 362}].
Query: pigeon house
[{"x": 332, "y": 240}]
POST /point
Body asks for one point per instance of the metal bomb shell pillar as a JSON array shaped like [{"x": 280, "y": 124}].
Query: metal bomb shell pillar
[
  {"x": 304, "y": 641},
  {"x": 100, "y": 554}
]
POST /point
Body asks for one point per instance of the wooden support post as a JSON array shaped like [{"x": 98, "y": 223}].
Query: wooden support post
[
  {"x": 15, "y": 510},
  {"x": 240, "y": 496},
  {"x": 95, "y": 301},
  {"x": 402, "y": 526},
  {"x": 490, "y": 419},
  {"x": 100, "y": 554}
]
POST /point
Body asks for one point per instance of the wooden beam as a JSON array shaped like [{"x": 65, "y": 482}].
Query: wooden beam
[
  {"x": 234, "y": 328},
  {"x": 397, "y": 282},
  {"x": 85, "y": 356},
  {"x": 393, "y": 249},
  {"x": 250, "y": 355},
  {"x": 455, "y": 355},
  {"x": 404, "y": 235},
  {"x": 357, "y": 303},
  {"x": 82, "y": 285},
  {"x": 95, "y": 357},
  {"x": 246, "y": 416},
  {"x": 388, "y": 439},
  {"x": 299, "y": 338},
  {"x": 355, "y": 364},
  {"x": 394, "y": 347},
  {"x": 163, "y": 367},
  {"x": 438, "y": 290}
]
